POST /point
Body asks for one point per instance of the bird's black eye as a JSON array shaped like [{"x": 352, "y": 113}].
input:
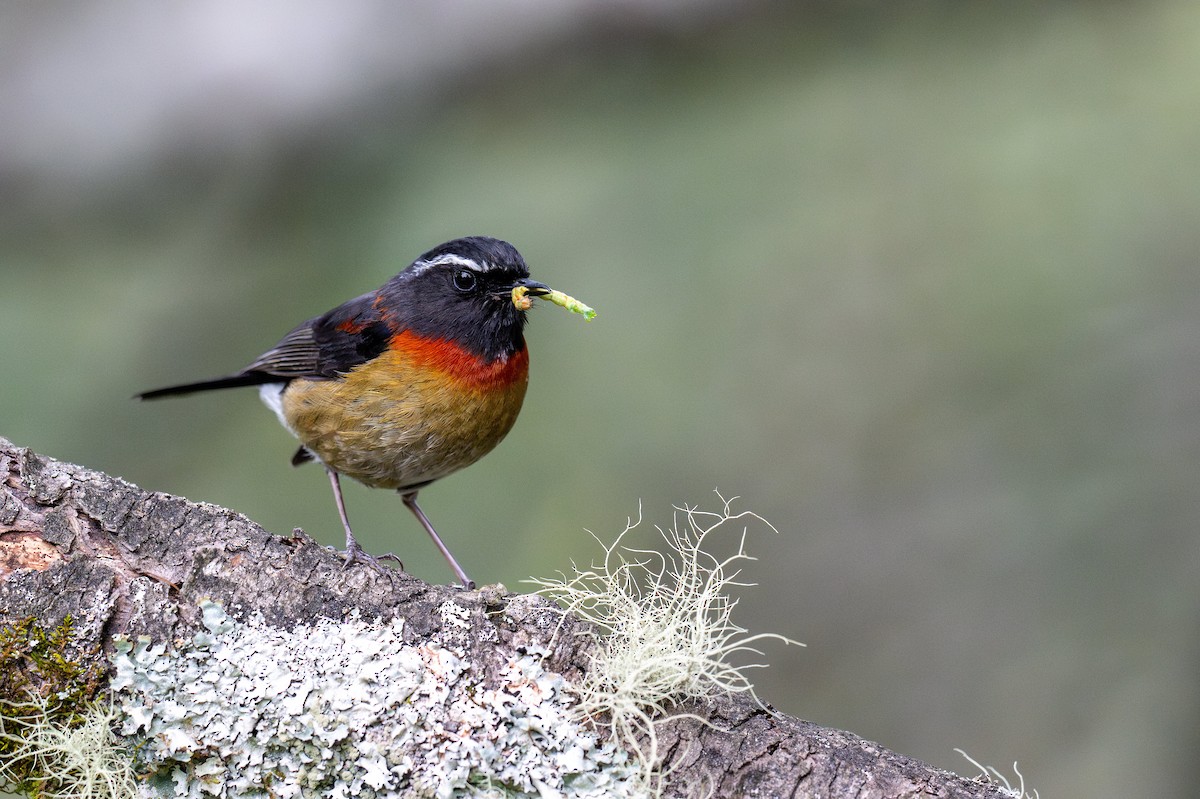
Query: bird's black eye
[{"x": 464, "y": 280}]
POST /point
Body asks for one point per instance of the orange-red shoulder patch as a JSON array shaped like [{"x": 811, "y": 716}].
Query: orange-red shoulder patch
[{"x": 351, "y": 326}]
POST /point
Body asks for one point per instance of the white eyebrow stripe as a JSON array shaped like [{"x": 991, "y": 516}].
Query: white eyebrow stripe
[{"x": 449, "y": 259}]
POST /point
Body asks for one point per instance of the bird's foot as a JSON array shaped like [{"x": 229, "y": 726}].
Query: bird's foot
[{"x": 356, "y": 554}]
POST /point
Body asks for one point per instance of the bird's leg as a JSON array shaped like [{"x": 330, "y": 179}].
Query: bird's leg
[
  {"x": 353, "y": 550},
  {"x": 410, "y": 501},
  {"x": 351, "y": 544}
]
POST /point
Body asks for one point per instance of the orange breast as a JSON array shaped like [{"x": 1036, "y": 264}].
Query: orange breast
[{"x": 421, "y": 410}]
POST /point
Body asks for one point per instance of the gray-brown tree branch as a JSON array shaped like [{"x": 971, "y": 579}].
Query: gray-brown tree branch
[{"x": 120, "y": 560}]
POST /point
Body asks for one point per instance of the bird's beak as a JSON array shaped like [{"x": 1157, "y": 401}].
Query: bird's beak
[{"x": 533, "y": 288}]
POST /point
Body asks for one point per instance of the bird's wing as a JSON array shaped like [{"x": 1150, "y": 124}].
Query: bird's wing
[{"x": 328, "y": 346}]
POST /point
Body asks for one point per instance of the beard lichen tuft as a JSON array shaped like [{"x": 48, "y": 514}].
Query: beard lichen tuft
[
  {"x": 666, "y": 632},
  {"x": 994, "y": 776},
  {"x": 56, "y": 737}
]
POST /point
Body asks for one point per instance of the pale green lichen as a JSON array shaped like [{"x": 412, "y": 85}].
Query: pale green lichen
[
  {"x": 341, "y": 709},
  {"x": 48, "y": 759},
  {"x": 55, "y": 734},
  {"x": 666, "y": 624},
  {"x": 994, "y": 776}
]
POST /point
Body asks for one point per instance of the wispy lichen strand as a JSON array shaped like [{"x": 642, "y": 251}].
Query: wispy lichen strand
[
  {"x": 667, "y": 625},
  {"x": 48, "y": 758}
]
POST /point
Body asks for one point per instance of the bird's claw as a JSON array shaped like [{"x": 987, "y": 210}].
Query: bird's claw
[{"x": 356, "y": 554}]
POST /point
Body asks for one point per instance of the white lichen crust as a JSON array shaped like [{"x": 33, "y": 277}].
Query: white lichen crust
[{"x": 347, "y": 709}]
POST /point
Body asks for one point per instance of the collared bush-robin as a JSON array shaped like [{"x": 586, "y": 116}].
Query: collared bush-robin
[{"x": 408, "y": 383}]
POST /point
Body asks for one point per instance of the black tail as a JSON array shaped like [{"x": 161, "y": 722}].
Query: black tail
[{"x": 233, "y": 381}]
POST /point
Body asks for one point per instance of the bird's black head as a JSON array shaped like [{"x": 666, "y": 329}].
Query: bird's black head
[{"x": 461, "y": 291}]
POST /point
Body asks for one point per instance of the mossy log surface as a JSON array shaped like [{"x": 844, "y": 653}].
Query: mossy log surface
[{"x": 119, "y": 560}]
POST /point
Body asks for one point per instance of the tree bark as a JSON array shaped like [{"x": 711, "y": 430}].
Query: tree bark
[{"x": 120, "y": 560}]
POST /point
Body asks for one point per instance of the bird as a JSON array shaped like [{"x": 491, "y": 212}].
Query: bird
[{"x": 408, "y": 383}]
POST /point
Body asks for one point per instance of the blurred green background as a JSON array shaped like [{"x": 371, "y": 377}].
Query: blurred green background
[{"x": 918, "y": 281}]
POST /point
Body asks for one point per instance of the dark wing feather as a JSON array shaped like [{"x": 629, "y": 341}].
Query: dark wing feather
[
  {"x": 296, "y": 355},
  {"x": 349, "y": 335},
  {"x": 325, "y": 347}
]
